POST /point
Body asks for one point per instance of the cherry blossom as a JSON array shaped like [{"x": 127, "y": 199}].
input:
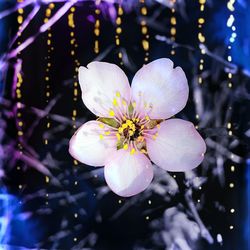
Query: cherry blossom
[{"x": 133, "y": 128}]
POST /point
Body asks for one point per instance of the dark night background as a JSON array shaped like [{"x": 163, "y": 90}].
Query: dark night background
[{"x": 105, "y": 220}]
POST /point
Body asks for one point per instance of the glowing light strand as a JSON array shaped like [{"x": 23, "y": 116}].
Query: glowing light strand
[
  {"x": 118, "y": 32},
  {"x": 231, "y": 26},
  {"x": 76, "y": 64},
  {"x": 73, "y": 53},
  {"x": 97, "y": 27},
  {"x": 144, "y": 30},
  {"x": 201, "y": 39},
  {"x": 18, "y": 89},
  {"x": 173, "y": 26},
  {"x": 47, "y": 79}
]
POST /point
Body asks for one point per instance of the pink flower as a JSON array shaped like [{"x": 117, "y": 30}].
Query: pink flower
[{"x": 132, "y": 129}]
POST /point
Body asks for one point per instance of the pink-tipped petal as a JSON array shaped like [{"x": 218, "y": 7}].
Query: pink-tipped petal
[
  {"x": 178, "y": 146},
  {"x": 90, "y": 144},
  {"x": 100, "y": 83},
  {"x": 159, "y": 89},
  {"x": 128, "y": 174}
]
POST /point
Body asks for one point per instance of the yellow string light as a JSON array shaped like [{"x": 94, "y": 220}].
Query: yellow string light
[
  {"x": 144, "y": 30},
  {"x": 173, "y": 26},
  {"x": 97, "y": 27},
  {"x": 18, "y": 90},
  {"x": 230, "y": 24},
  {"x": 118, "y": 32},
  {"x": 50, "y": 48},
  {"x": 201, "y": 39},
  {"x": 76, "y": 64},
  {"x": 73, "y": 54}
]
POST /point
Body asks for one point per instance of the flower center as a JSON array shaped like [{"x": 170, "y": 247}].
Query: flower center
[
  {"x": 130, "y": 135},
  {"x": 131, "y": 127}
]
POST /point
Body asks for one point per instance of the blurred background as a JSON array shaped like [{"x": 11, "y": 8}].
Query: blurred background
[{"x": 50, "y": 201}]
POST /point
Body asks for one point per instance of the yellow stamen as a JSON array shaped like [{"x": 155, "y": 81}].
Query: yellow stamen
[
  {"x": 134, "y": 104},
  {"x": 101, "y": 125},
  {"x": 124, "y": 125},
  {"x": 107, "y": 132},
  {"x": 124, "y": 102},
  {"x": 101, "y": 137},
  {"x": 158, "y": 126},
  {"x": 155, "y": 136},
  {"x": 118, "y": 136},
  {"x": 115, "y": 102},
  {"x": 125, "y": 146},
  {"x": 120, "y": 130},
  {"x": 118, "y": 94},
  {"x": 128, "y": 122},
  {"x": 140, "y": 138},
  {"x": 147, "y": 118},
  {"x": 130, "y": 132},
  {"x": 143, "y": 151},
  {"x": 132, "y": 151},
  {"x": 111, "y": 112}
]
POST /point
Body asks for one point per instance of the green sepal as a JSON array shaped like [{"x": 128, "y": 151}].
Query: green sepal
[
  {"x": 109, "y": 121},
  {"x": 130, "y": 109},
  {"x": 119, "y": 145},
  {"x": 152, "y": 123}
]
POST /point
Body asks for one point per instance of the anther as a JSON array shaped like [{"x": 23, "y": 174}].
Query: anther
[
  {"x": 130, "y": 132},
  {"x": 124, "y": 125},
  {"x": 115, "y": 102},
  {"x": 101, "y": 125},
  {"x": 111, "y": 112},
  {"x": 124, "y": 102},
  {"x": 132, "y": 151},
  {"x": 118, "y": 136}
]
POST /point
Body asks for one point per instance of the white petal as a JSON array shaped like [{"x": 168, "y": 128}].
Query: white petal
[
  {"x": 90, "y": 144},
  {"x": 161, "y": 87},
  {"x": 178, "y": 146},
  {"x": 128, "y": 174},
  {"x": 100, "y": 83}
]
